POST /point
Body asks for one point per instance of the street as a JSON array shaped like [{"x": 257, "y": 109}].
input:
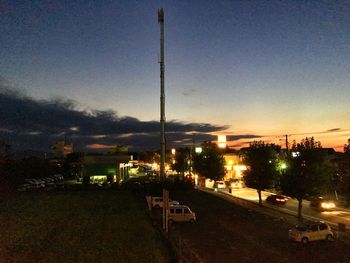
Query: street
[
  {"x": 227, "y": 232},
  {"x": 338, "y": 215}
]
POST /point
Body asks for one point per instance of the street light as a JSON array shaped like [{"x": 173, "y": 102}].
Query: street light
[
  {"x": 283, "y": 166},
  {"x": 198, "y": 150},
  {"x": 222, "y": 141}
]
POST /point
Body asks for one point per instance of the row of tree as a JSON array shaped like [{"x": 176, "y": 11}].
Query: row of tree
[
  {"x": 307, "y": 170},
  {"x": 303, "y": 171}
]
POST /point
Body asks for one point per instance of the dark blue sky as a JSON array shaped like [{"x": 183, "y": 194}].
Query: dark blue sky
[{"x": 261, "y": 67}]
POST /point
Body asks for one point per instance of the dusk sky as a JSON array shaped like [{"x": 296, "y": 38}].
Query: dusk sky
[{"x": 253, "y": 70}]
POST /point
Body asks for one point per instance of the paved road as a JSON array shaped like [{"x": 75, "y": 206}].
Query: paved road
[
  {"x": 227, "y": 232},
  {"x": 336, "y": 216}
]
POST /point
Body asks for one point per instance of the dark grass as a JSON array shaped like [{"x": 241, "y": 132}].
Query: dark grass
[{"x": 81, "y": 226}]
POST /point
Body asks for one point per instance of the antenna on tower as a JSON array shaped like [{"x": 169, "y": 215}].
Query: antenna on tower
[
  {"x": 162, "y": 95},
  {"x": 160, "y": 15}
]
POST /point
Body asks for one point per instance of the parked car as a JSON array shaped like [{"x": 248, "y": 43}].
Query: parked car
[
  {"x": 36, "y": 183},
  {"x": 57, "y": 177},
  {"x": 277, "y": 199},
  {"x": 311, "y": 232},
  {"x": 24, "y": 187},
  {"x": 221, "y": 184},
  {"x": 322, "y": 204},
  {"x": 40, "y": 182},
  {"x": 30, "y": 181},
  {"x": 181, "y": 213},
  {"x": 237, "y": 183},
  {"x": 157, "y": 202},
  {"x": 49, "y": 183}
]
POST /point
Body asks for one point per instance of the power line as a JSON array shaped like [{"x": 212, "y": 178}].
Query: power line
[{"x": 304, "y": 133}]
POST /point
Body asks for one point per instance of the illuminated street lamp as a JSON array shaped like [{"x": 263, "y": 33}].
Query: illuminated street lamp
[
  {"x": 222, "y": 141},
  {"x": 283, "y": 166},
  {"x": 198, "y": 150},
  {"x": 173, "y": 152}
]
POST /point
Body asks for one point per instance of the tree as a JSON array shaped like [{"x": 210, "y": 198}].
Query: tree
[
  {"x": 181, "y": 160},
  {"x": 33, "y": 167},
  {"x": 73, "y": 165},
  {"x": 344, "y": 173},
  {"x": 146, "y": 156},
  {"x": 5, "y": 161},
  {"x": 261, "y": 160},
  {"x": 210, "y": 162},
  {"x": 309, "y": 172},
  {"x": 347, "y": 147},
  {"x": 119, "y": 150}
]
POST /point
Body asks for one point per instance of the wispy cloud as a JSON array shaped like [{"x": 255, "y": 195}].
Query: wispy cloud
[
  {"x": 334, "y": 130},
  {"x": 189, "y": 92},
  {"x": 97, "y": 146},
  {"x": 243, "y": 136}
]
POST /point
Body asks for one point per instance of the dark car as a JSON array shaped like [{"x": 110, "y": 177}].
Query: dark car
[
  {"x": 322, "y": 204},
  {"x": 277, "y": 199}
]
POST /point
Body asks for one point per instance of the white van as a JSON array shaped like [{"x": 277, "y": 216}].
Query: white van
[
  {"x": 157, "y": 202},
  {"x": 181, "y": 213}
]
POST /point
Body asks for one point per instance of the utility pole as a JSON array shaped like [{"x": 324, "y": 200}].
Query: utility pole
[
  {"x": 287, "y": 148},
  {"x": 192, "y": 153},
  {"x": 162, "y": 95}
]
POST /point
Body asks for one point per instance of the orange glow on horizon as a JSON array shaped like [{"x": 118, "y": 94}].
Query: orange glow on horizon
[
  {"x": 99, "y": 146},
  {"x": 337, "y": 143}
]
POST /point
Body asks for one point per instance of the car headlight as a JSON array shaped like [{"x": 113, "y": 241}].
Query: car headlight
[{"x": 327, "y": 205}]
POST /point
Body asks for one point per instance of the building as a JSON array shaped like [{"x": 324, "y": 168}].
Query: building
[
  {"x": 233, "y": 166},
  {"x": 106, "y": 168},
  {"x": 60, "y": 149}
]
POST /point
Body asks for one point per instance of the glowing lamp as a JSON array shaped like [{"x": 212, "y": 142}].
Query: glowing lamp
[
  {"x": 198, "y": 150},
  {"x": 222, "y": 141}
]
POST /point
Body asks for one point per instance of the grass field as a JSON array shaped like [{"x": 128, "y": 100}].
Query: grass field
[{"x": 81, "y": 226}]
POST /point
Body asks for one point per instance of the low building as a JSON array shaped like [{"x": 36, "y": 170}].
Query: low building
[
  {"x": 61, "y": 149},
  {"x": 103, "y": 168},
  {"x": 233, "y": 167}
]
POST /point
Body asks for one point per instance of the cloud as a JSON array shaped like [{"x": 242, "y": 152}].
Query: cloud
[
  {"x": 189, "y": 92},
  {"x": 28, "y": 123},
  {"x": 334, "y": 130},
  {"x": 100, "y": 146},
  {"x": 244, "y": 136}
]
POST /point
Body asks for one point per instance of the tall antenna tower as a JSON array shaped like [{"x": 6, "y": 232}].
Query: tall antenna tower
[{"x": 162, "y": 95}]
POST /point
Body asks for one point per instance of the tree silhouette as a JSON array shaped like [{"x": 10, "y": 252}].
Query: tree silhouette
[
  {"x": 309, "y": 172},
  {"x": 5, "y": 162},
  {"x": 347, "y": 147},
  {"x": 182, "y": 159},
  {"x": 261, "y": 159},
  {"x": 344, "y": 171},
  {"x": 210, "y": 162}
]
